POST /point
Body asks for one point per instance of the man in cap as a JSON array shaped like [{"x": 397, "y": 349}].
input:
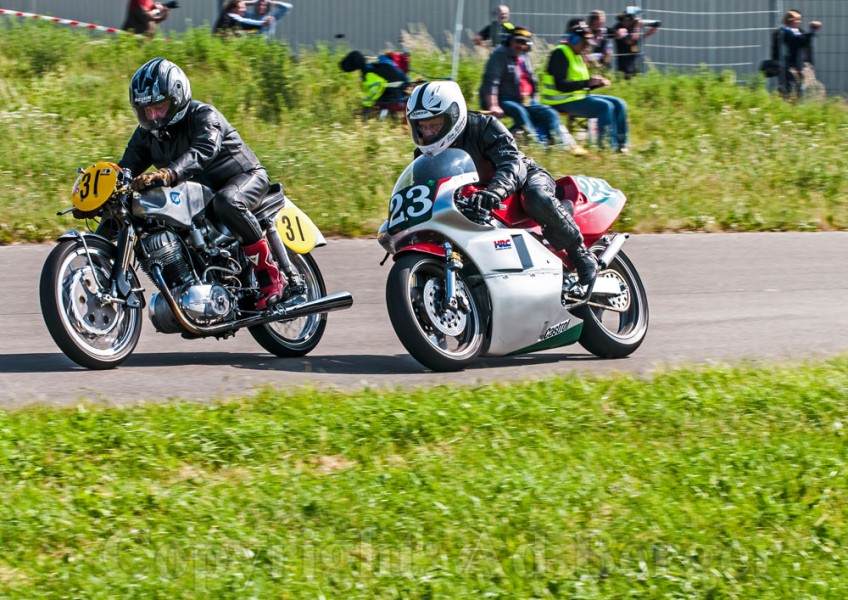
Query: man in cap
[
  {"x": 510, "y": 87},
  {"x": 628, "y": 36},
  {"x": 567, "y": 83}
]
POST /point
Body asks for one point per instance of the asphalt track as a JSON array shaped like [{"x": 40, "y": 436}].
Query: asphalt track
[{"x": 714, "y": 298}]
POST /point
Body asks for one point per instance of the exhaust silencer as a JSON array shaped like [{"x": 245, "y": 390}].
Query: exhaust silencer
[{"x": 609, "y": 253}]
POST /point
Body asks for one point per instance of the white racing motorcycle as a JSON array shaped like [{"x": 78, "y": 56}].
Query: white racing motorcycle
[{"x": 468, "y": 282}]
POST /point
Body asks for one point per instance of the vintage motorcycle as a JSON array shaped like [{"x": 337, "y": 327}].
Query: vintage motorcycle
[
  {"x": 468, "y": 282},
  {"x": 92, "y": 298}
]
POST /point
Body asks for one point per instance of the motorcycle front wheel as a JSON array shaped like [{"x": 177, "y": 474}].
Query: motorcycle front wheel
[
  {"x": 296, "y": 337},
  {"x": 440, "y": 337},
  {"x": 615, "y": 326},
  {"x": 93, "y": 334}
]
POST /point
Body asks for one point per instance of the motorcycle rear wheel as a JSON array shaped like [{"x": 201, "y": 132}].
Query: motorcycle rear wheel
[
  {"x": 93, "y": 335},
  {"x": 613, "y": 334},
  {"x": 296, "y": 337},
  {"x": 439, "y": 337}
]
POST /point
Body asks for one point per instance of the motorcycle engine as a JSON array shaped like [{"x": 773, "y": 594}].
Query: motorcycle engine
[
  {"x": 204, "y": 304},
  {"x": 164, "y": 249}
]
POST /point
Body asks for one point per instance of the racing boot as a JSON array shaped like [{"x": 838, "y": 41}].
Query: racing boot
[
  {"x": 585, "y": 264},
  {"x": 271, "y": 283},
  {"x": 559, "y": 227}
]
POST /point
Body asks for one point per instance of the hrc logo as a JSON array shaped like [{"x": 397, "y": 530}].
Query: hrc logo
[{"x": 503, "y": 244}]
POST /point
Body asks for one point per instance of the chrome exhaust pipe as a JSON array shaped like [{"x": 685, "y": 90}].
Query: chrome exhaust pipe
[
  {"x": 612, "y": 249},
  {"x": 333, "y": 302},
  {"x": 337, "y": 301}
]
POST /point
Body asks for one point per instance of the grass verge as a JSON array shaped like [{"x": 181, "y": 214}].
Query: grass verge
[
  {"x": 709, "y": 154},
  {"x": 720, "y": 482}
]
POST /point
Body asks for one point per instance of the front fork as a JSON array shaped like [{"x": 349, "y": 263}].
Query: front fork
[
  {"x": 453, "y": 263},
  {"x": 119, "y": 288}
]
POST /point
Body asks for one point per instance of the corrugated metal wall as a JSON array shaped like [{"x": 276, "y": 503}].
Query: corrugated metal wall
[{"x": 722, "y": 33}]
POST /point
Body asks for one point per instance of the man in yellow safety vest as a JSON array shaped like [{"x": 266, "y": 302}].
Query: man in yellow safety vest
[{"x": 567, "y": 84}]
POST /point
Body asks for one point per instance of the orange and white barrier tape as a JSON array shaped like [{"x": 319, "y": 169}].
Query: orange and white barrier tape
[{"x": 57, "y": 20}]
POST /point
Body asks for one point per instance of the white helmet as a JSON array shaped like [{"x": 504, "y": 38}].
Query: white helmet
[{"x": 429, "y": 101}]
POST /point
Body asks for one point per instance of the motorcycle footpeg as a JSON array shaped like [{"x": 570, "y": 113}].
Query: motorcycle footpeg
[{"x": 293, "y": 290}]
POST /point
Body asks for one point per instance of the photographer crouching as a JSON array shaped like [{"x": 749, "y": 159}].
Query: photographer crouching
[
  {"x": 144, "y": 15},
  {"x": 628, "y": 35}
]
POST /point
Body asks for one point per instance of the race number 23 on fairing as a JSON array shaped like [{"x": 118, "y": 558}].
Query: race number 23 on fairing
[{"x": 411, "y": 206}]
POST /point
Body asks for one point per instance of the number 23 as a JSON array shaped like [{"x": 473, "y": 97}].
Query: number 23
[{"x": 419, "y": 204}]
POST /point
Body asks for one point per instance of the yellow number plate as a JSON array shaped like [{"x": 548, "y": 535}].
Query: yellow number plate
[
  {"x": 95, "y": 185},
  {"x": 297, "y": 231}
]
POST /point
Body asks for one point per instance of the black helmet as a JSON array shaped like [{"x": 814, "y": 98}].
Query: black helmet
[
  {"x": 578, "y": 30},
  {"x": 159, "y": 80},
  {"x": 353, "y": 61}
]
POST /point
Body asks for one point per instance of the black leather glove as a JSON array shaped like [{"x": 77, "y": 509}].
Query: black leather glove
[
  {"x": 485, "y": 199},
  {"x": 148, "y": 180}
]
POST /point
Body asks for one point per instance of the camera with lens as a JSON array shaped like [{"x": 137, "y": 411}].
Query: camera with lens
[{"x": 648, "y": 23}]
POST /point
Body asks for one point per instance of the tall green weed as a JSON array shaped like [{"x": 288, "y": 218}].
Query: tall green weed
[{"x": 709, "y": 153}]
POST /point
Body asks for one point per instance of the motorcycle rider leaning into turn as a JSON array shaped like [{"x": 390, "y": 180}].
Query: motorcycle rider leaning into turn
[
  {"x": 438, "y": 119},
  {"x": 186, "y": 139}
]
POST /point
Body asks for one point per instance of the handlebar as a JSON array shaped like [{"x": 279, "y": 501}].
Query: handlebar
[{"x": 472, "y": 210}]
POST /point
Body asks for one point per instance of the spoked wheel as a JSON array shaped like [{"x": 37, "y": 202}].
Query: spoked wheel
[
  {"x": 441, "y": 337},
  {"x": 92, "y": 333},
  {"x": 614, "y": 325},
  {"x": 296, "y": 337}
]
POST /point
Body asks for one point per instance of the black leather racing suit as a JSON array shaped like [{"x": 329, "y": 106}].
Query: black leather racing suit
[
  {"x": 505, "y": 170},
  {"x": 204, "y": 147}
]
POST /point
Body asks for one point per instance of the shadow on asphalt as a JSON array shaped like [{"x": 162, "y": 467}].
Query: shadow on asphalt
[{"x": 341, "y": 364}]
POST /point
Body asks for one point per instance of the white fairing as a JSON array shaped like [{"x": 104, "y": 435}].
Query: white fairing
[{"x": 524, "y": 279}]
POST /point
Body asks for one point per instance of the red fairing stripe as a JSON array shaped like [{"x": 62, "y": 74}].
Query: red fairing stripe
[{"x": 426, "y": 248}]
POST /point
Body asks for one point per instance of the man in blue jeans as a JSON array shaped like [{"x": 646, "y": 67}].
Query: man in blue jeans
[
  {"x": 567, "y": 82},
  {"x": 509, "y": 89}
]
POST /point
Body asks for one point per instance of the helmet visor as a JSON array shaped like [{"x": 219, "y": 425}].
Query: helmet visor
[
  {"x": 156, "y": 115},
  {"x": 428, "y": 130}
]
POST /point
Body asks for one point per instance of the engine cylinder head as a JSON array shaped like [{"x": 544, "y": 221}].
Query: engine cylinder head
[{"x": 164, "y": 249}]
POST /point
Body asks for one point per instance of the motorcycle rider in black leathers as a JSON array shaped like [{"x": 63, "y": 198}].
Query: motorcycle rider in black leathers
[
  {"x": 438, "y": 119},
  {"x": 186, "y": 139}
]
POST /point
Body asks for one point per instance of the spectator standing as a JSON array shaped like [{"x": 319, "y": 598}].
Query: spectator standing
[
  {"x": 600, "y": 50},
  {"x": 260, "y": 9},
  {"x": 144, "y": 15},
  {"x": 510, "y": 87},
  {"x": 628, "y": 36},
  {"x": 567, "y": 83},
  {"x": 792, "y": 47},
  {"x": 234, "y": 19},
  {"x": 498, "y": 30}
]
